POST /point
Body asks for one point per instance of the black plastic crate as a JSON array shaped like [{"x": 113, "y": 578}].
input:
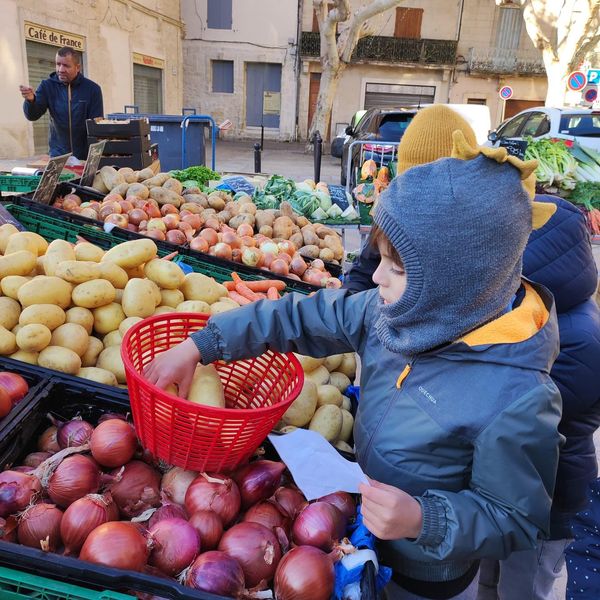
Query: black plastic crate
[
  {"x": 115, "y": 146},
  {"x": 139, "y": 160},
  {"x": 126, "y": 128}
]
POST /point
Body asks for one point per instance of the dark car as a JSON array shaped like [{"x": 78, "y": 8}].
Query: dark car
[{"x": 377, "y": 125}]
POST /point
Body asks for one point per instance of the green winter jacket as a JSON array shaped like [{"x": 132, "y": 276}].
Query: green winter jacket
[{"x": 470, "y": 430}]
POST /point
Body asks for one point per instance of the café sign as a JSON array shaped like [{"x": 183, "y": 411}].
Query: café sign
[
  {"x": 54, "y": 37},
  {"x": 149, "y": 61}
]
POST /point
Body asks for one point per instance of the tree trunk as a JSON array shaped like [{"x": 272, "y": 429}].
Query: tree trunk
[
  {"x": 557, "y": 72},
  {"x": 330, "y": 78}
]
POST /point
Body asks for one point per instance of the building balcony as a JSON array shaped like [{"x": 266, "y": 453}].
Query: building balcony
[
  {"x": 389, "y": 49},
  {"x": 500, "y": 61}
]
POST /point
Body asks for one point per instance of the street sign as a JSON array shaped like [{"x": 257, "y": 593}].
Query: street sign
[
  {"x": 576, "y": 81},
  {"x": 591, "y": 94},
  {"x": 506, "y": 92},
  {"x": 593, "y": 76}
]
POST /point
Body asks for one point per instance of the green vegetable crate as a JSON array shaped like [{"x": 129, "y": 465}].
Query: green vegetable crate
[
  {"x": 364, "y": 210},
  {"x": 26, "y": 183}
]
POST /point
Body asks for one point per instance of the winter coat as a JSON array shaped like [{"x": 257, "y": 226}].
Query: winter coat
[
  {"x": 469, "y": 429},
  {"x": 85, "y": 102}
]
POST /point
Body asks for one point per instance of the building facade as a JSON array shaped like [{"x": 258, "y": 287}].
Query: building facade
[{"x": 132, "y": 49}]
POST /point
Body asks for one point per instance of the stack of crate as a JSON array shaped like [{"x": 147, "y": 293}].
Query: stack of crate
[{"x": 127, "y": 142}]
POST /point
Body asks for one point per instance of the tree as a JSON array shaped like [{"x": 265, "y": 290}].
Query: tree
[
  {"x": 336, "y": 16},
  {"x": 566, "y": 31}
]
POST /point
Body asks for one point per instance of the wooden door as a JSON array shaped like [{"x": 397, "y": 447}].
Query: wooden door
[
  {"x": 408, "y": 23},
  {"x": 516, "y": 106}
]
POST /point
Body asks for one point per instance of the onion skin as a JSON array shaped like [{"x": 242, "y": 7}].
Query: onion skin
[
  {"x": 116, "y": 544},
  {"x": 137, "y": 490},
  {"x": 113, "y": 443},
  {"x": 176, "y": 545},
  {"x": 209, "y": 526},
  {"x": 75, "y": 477},
  {"x": 17, "y": 491},
  {"x": 256, "y": 548},
  {"x": 39, "y": 527},
  {"x": 268, "y": 514},
  {"x": 217, "y": 573},
  {"x": 290, "y": 500},
  {"x": 35, "y": 459},
  {"x": 319, "y": 524},
  {"x": 75, "y": 432},
  {"x": 47, "y": 442},
  {"x": 222, "y": 497},
  {"x": 258, "y": 480},
  {"x": 343, "y": 501},
  {"x": 304, "y": 572},
  {"x": 14, "y": 385},
  {"x": 168, "y": 510},
  {"x": 8, "y": 529},
  {"x": 175, "y": 483}
]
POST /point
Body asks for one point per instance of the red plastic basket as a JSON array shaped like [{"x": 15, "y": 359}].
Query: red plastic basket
[{"x": 193, "y": 436}]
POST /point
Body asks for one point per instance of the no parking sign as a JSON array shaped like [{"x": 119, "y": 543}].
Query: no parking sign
[
  {"x": 576, "y": 81},
  {"x": 505, "y": 92}
]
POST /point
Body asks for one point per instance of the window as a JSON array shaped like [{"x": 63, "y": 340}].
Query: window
[
  {"x": 222, "y": 76},
  {"x": 536, "y": 125},
  {"x": 408, "y": 22},
  {"x": 512, "y": 127},
  {"x": 147, "y": 89},
  {"x": 510, "y": 24},
  {"x": 219, "y": 14},
  {"x": 479, "y": 101},
  {"x": 583, "y": 125}
]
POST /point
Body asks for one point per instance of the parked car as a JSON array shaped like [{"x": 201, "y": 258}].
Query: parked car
[{"x": 580, "y": 124}]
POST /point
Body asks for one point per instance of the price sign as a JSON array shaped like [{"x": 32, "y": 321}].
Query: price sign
[
  {"x": 236, "y": 184},
  {"x": 91, "y": 164},
  {"x": 515, "y": 147},
  {"x": 45, "y": 189}
]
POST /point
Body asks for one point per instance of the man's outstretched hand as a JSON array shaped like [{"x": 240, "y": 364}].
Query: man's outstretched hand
[{"x": 27, "y": 93}]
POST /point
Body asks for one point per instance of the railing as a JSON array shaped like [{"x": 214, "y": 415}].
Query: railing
[
  {"x": 501, "y": 60},
  {"x": 389, "y": 49}
]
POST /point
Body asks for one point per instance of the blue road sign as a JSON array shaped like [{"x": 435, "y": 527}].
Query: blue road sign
[
  {"x": 591, "y": 94},
  {"x": 506, "y": 92},
  {"x": 577, "y": 81},
  {"x": 593, "y": 76}
]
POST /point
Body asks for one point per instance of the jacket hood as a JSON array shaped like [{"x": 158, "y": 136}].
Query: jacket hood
[{"x": 559, "y": 256}]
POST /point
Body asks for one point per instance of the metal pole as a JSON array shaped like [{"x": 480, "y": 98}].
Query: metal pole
[
  {"x": 317, "y": 153},
  {"x": 262, "y": 136},
  {"x": 257, "y": 148}
]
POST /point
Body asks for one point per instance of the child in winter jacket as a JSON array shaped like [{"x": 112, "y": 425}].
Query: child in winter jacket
[{"x": 457, "y": 424}]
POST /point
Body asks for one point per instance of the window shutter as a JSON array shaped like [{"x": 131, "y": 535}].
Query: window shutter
[
  {"x": 147, "y": 89},
  {"x": 222, "y": 71},
  {"x": 408, "y": 22},
  {"x": 219, "y": 14}
]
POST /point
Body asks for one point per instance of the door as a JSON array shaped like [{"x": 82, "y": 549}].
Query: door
[
  {"x": 261, "y": 78},
  {"x": 147, "y": 89},
  {"x": 516, "y": 106}
]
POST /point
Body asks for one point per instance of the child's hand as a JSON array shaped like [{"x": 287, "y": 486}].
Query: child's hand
[
  {"x": 389, "y": 513},
  {"x": 176, "y": 365}
]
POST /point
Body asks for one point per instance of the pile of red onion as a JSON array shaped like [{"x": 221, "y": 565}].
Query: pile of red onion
[{"x": 84, "y": 493}]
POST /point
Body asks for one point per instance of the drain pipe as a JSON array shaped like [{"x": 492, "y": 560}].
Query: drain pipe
[{"x": 298, "y": 68}]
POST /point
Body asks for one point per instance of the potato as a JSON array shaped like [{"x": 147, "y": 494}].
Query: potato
[
  {"x": 10, "y": 285},
  {"x": 163, "y": 310},
  {"x": 58, "y": 250},
  {"x": 144, "y": 174},
  {"x": 27, "y": 240},
  {"x": 60, "y": 359},
  {"x": 302, "y": 409},
  {"x": 46, "y": 290},
  {"x": 98, "y": 375},
  {"x": 18, "y": 263},
  {"x": 93, "y": 294},
  {"x": 98, "y": 184},
  {"x": 328, "y": 394},
  {"x": 27, "y": 357},
  {"x": 220, "y": 307},
  {"x": 308, "y": 363},
  {"x": 9, "y": 312},
  {"x": 127, "y": 323},
  {"x": 131, "y": 254},
  {"x": 113, "y": 273},
  {"x": 17, "y": 328},
  {"x": 333, "y": 362},
  {"x": 346, "y": 403},
  {"x": 194, "y": 306},
  {"x": 327, "y": 421},
  {"x": 207, "y": 387},
  {"x": 339, "y": 380},
  {"x": 164, "y": 196},
  {"x": 118, "y": 295},
  {"x": 8, "y": 341},
  {"x": 171, "y": 297},
  {"x": 136, "y": 272},
  {"x": 110, "y": 359},
  {"x": 88, "y": 252},
  {"x": 164, "y": 273},
  {"x": 174, "y": 185},
  {"x": 138, "y": 298},
  {"x": 347, "y": 425},
  {"x": 33, "y": 337},
  {"x": 113, "y": 338},
  {"x": 90, "y": 357},
  {"x": 111, "y": 177},
  {"x": 348, "y": 365},
  {"x": 320, "y": 375},
  {"x": 50, "y": 315},
  {"x": 200, "y": 287},
  {"x": 139, "y": 190},
  {"x": 129, "y": 174},
  {"x": 81, "y": 316},
  {"x": 344, "y": 446},
  {"x": 72, "y": 336},
  {"x": 6, "y": 231},
  {"x": 156, "y": 292},
  {"x": 39, "y": 266},
  {"x": 155, "y": 180},
  {"x": 310, "y": 251},
  {"x": 77, "y": 271},
  {"x": 107, "y": 318}
]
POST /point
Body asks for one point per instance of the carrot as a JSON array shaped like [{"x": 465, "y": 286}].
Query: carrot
[
  {"x": 239, "y": 298},
  {"x": 244, "y": 290},
  {"x": 263, "y": 285},
  {"x": 236, "y": 278},
  {"x": 272, "y": 293},
  {"x": 170, "y": 256}
]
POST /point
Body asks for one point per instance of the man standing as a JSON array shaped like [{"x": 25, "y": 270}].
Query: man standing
[{"x": 70, "y": 98}]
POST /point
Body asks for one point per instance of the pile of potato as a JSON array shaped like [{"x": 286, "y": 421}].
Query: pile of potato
[
  {"x": 67, "y": 307},
  {"x": 321, "y": 405}
]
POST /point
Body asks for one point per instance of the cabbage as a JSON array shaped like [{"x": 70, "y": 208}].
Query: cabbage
[
  {"x": 304, "y": 187},
  {"x": 318, "y": 215},
  {"x": 350, "y": 214},
  {"x": 334, "y": 211},
  {"x": 324, "y": 199}
]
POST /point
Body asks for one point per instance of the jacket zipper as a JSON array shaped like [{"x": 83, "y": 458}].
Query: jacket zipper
[{"x": 69, "y": 106}]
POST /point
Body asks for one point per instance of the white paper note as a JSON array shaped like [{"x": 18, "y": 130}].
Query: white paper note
[{"x": 317, "y": 467}]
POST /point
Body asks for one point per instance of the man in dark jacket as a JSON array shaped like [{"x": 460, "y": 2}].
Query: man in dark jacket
[{"x": 70, "y": 98}]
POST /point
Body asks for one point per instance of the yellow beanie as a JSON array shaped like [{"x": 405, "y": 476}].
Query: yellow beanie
[{"x": 429, "y": 136}]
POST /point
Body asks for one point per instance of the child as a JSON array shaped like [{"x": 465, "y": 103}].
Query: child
[{"x": 457, "y": 424}]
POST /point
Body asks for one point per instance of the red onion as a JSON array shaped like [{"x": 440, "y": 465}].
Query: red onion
[
  {"x": 116, "y": 544},
  {"x": 304, "y": 572},
  {"x": 167, "y": 510},
  {"x": 8, "y": 529},
  {"x": 14, "y": 385},
  {"x": 75, "y": 432},
  {"x": 210, "y": 527},
  {"x": 110, "y": 415},
  {"x": 343, "y": 501},
  {"x": 258, "y": 480},
  {"x": 290, "y": 500},
  {"x": 268, "y": 514},
  {"x": 217, "y": 573},
  {"x": 113, "y": 443},
  {"x": 17, "y": 491},
  {"x": 39, "y": 527},
  {"x": 74, "y": 477},
  {"x": 35, "y": 459},
  {"x": 23, "y": 469},
  {"x": 256, "y": 549},
  {"x": 176, "y": 545},
  {"x": 175, "y": 483},
  {"x": 137, "y": 490},
  {"x": 214, "y": 492},
  {"x": 83, "y": 516},
  {"x": 319, "y": 524},
  {"x": 47, "y": 442}
]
